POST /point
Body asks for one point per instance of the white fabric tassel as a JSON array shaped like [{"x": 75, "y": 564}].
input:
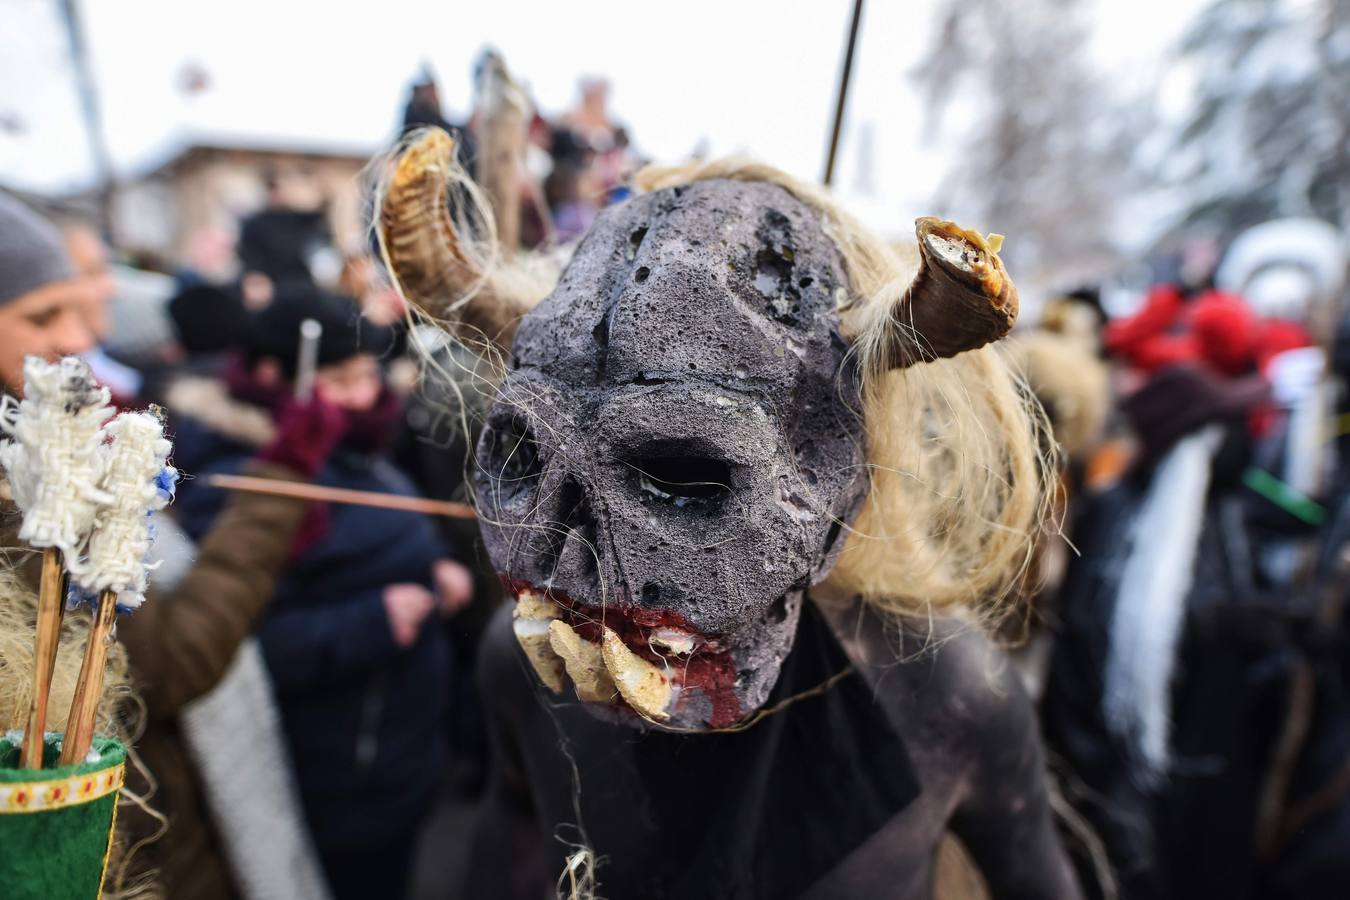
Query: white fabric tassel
[
  {"x": 1151, "y": 602},
  {"x": 54, "y": 461},
  {"x": 120, "y": 543}
]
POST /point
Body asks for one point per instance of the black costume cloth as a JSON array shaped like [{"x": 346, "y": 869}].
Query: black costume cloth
[{"x": 762, "y": 812}]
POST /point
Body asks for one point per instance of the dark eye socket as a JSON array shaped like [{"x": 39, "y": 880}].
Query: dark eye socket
[
  {"x": 513, "y": 453},
  {"x": 682, "y": 481}
]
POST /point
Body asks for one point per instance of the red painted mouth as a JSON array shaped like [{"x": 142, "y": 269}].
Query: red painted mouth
[{"x": 658, "y": 636}]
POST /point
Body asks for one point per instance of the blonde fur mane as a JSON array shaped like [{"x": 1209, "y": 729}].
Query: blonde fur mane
[
  {"x": 958, "y": 477},
  {"x": 959, "y": 481}
]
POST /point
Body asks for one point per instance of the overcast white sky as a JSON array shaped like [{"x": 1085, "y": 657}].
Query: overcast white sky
[{"x": 740, "y": 75}]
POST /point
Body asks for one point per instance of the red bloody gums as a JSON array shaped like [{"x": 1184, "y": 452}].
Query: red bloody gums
[
  {"x": 715, "y": 675},
  {"x": 707, "y": 668}
]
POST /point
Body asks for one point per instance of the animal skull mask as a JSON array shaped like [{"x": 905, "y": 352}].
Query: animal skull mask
[
  {"x": 678, "y": 442},
  {"x": 679, "y": 439}
]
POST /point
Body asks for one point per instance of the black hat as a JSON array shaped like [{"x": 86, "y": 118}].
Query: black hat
[
  {"x": 208, "y": 318},
  {"x": 275, "y": 331}
]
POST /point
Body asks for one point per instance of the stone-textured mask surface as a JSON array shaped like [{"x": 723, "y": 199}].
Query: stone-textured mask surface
[{"x": 674, "y": 452}]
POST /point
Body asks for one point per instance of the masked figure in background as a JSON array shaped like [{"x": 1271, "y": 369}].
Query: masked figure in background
[
  {"x": 747, "y": 476},
  {"x": 1198, "y": 683}
]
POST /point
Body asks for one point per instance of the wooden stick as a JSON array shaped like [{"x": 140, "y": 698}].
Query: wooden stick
[
  {"x": 299, "y": 491},
  {"x": 89, "y": 687},
  {"x": 842, "y": 99},
  {"x": 51, "y": 608}
]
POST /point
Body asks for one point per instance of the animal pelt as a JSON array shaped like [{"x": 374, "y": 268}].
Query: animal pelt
[
  {"x": 18, "y": 619},
  {"x": 1071, "y": 383}
]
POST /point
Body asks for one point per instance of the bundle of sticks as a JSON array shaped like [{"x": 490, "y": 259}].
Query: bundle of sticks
[{"x": 88, "y": 483}]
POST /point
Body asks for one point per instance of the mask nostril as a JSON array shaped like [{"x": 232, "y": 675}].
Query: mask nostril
[
  {"x": 651, "y": 593},
  {"x": 778, "y": 612},
  {"x": 571, "y": 521}
]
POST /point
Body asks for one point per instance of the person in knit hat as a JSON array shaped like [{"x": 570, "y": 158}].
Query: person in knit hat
[
  {"x": 178, "y": 647},
  {"x": 40, "y": 301}
]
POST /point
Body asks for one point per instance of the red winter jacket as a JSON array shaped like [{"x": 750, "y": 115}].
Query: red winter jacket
[{"x": 1215, "y": 328}]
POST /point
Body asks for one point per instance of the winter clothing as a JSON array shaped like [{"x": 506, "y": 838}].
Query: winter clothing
[
  {"x": 31, "y": 253},
  {"x": 234, "y": 737},
  {"x": 1179, "y": 399},
  {"x": 209, "y": 319},
  {"x": 306, "y": 435},
  {"x": 180, "y": 647},
  {"x": 363, "y": 717},
  {"x": 278, "y": 243},
  {"x": 1210, "y": 327},
  {"x": 275, "y": 330},
  {"x": 1201, "y": 658}
]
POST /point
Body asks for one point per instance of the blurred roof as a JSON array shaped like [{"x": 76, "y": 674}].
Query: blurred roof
[{"x": 183, "y": 148}]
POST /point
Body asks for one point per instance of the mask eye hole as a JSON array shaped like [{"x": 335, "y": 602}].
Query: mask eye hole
[
  {"x": 682, "y": 481},
  {"x": 512, "y": 452}
]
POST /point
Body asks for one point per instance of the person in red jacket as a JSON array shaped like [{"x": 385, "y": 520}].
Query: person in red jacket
[{"x": 1193, "y": 322}]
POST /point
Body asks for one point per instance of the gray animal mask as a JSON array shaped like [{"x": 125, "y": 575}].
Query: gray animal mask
[
  {"x": 677, "y": 445},
  {"x": 678, "y": 441}
]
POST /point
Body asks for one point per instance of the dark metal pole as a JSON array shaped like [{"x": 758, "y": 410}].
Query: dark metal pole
[
  {"x": 843, "y": 92},
  {"x": 93, "y": 119}
]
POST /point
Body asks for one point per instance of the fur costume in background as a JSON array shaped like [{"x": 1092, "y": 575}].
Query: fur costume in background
[
  {"x": 1073, "y": 385},
  {"x": 1166, "y": 696}
]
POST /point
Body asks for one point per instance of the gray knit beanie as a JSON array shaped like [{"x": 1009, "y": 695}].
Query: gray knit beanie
[{"x": 31, "y": 252}]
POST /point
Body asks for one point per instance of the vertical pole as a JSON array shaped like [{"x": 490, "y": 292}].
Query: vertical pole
[
  {"x": 93, "y": 117},
  {"x": 311, "y": 332},
  {"x": 842, "y": 100},
  {"x": 51, "y": 605},
  {"x": 89, "y": 687}
]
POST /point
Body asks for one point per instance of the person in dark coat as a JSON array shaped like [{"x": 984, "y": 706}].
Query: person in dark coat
[
  {"x": 360, "y": 670},
  {"x": 1177, "y": 641}
]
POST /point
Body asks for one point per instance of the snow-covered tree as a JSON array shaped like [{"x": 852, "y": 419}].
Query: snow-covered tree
[
  {"x": 1037, "y": 135},
  {"x": 1268, "y": 133}
]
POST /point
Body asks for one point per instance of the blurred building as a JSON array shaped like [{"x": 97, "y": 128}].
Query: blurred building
[
  {"x": 207, "y": 187},
  {"x": 197, "y": 191}
]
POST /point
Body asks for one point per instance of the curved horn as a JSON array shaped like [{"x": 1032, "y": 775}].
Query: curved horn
[
  {"x": 961, "y": 298},
  {"x": 422, "y": 248}
]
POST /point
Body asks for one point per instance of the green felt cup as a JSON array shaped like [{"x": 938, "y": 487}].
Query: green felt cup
[{"x": 56, "y": 823}]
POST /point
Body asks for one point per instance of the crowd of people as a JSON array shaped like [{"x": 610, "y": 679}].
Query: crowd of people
[{"x": 1182, "y": 628}]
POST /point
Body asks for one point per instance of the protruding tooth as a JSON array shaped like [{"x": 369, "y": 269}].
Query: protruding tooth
[
  {"x": 531, "y": 605},
  {"x": 642, "y": 684},
  {"x": 532, "y": 617},
  {"x": 673, "y": 640},
  {"x": 584, "y": 663}
]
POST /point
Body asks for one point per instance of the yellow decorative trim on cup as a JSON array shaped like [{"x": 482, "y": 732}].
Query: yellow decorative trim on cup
[{"x": 56, "y": 793}]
